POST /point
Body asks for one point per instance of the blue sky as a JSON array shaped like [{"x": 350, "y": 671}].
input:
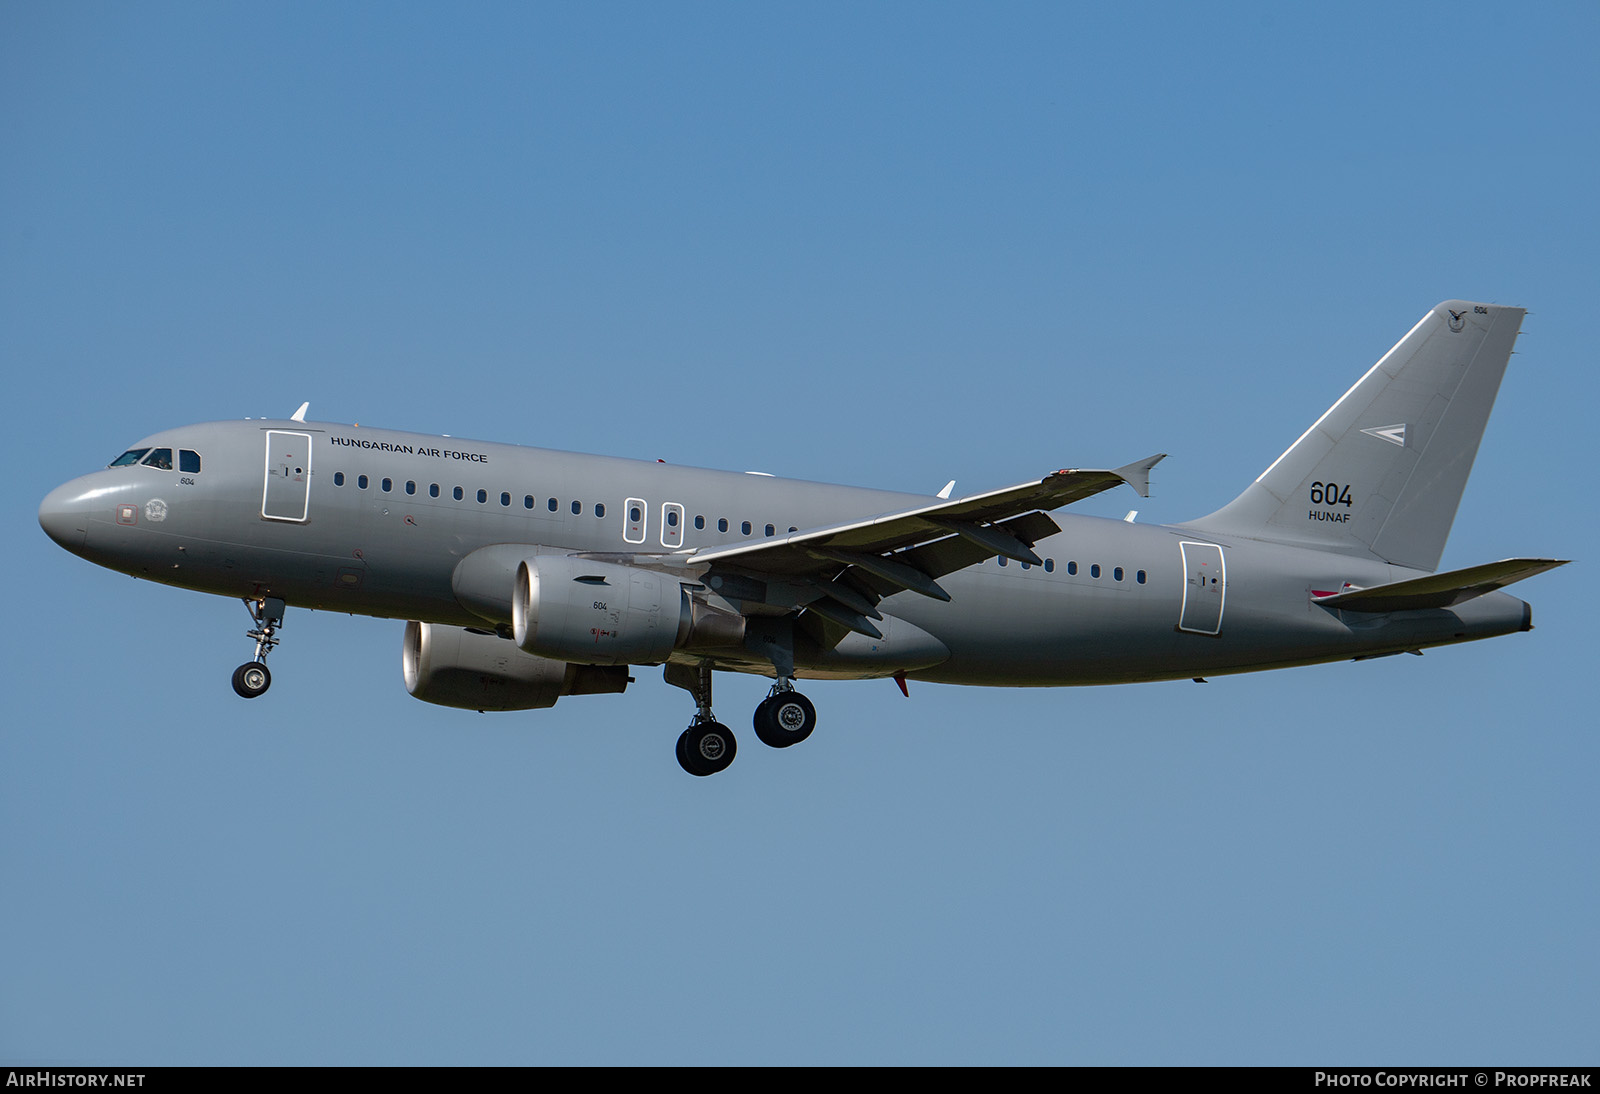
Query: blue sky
[{"x": 879, "y": 244}]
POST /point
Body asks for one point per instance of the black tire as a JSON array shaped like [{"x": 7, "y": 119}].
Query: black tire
[
  {"x": 785, "y": 719},
  {"x": 251, "y": 679},
  {"x": 706, "y": 748}
]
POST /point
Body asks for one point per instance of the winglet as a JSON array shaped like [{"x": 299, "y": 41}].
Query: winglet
[
  {"x": 1137, "y": 475},
  {"x": 300, "y": 415},
  {"x": 949, "y": 486}
]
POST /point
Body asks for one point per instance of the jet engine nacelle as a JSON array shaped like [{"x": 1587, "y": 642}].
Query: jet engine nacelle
[
  {"x": 602, "y": 613},
  {"x": 474, "y": 671}
]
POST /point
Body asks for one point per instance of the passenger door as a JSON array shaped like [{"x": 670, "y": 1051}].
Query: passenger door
[
  {"x": 1205, "y": 587},
  {"x": 286, "y": 492}
]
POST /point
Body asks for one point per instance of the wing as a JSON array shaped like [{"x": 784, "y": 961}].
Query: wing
[{"x": 840, "y": 572}]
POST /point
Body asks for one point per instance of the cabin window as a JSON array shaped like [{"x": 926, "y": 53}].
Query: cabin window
[
  {"x": 411, "y": 487},
  {"x": 505, "y": 498},
  {"x": 745, "y": 528},
  {"x": 672, "y": 518},
  {"x": 1001, "y": 560},
  {"x": 1139, "y": 577},
  {"x": 634, "y": 515},
  {"x": 433, "y": 489},
  {"x": 483, "y": 496},
  {"x": 771, "y": 530},
  {"x": 551, "y": 505},
  {"x": 1027, "y": 565},
  {"x": 699, "y": 522},
  {"x": 1072, "y": 568},
  {"x": 338, "y": 478},
  {"x": 387, "y": 485},
  {"x": 577, "y": 508},
  {"x": 1049, "y": 565},
  {"x": 458, "y": 493},
  {"x": 599, "y": 509},
  {"x": 1094, "y": 570},
  {"x": 722, "y": 524},
  {"x": 361, "y": 481},
  {"x": 1117, "y": 574},
  {"x": 527, "y": 501}
]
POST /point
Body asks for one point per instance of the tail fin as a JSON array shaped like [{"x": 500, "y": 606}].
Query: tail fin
[{"x": 1380, "y": 474}]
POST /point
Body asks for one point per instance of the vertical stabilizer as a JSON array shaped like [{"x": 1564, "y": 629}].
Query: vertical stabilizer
[{"x": 1381, "y": 473}]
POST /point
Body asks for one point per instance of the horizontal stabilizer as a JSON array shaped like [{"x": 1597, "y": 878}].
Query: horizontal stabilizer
[{"x": 1437, "y": 590}]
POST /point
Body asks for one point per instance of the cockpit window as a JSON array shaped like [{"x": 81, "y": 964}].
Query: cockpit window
[
  {"x": 129, "y": 458},
  {"x": 159, "y": 457},
  {"x": 189, "y": 461}
]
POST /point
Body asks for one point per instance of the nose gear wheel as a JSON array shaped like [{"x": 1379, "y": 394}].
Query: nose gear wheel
[{"x": 252, "y": 678}]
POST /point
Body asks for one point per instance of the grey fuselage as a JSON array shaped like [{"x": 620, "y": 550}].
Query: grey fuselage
[{"x": 369, "y": 521}]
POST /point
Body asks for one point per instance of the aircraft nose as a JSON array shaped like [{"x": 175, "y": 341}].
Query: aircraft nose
[{"x": 64, "y": 517}]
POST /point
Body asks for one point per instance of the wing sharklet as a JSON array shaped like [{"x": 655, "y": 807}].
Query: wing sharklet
[{"x": 1137, "y": 475}]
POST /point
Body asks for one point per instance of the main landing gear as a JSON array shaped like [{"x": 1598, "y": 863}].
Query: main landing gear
[
  {"x": 784, "y": 718},
  {"x": 252, "y": 678},
  {"x": 707, "y": 746}
]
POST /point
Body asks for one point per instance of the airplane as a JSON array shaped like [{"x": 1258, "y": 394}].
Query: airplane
[{"x": 526, "y": 575}]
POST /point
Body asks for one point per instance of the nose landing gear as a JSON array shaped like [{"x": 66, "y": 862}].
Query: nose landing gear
[{"x": 252, "y": 678}]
